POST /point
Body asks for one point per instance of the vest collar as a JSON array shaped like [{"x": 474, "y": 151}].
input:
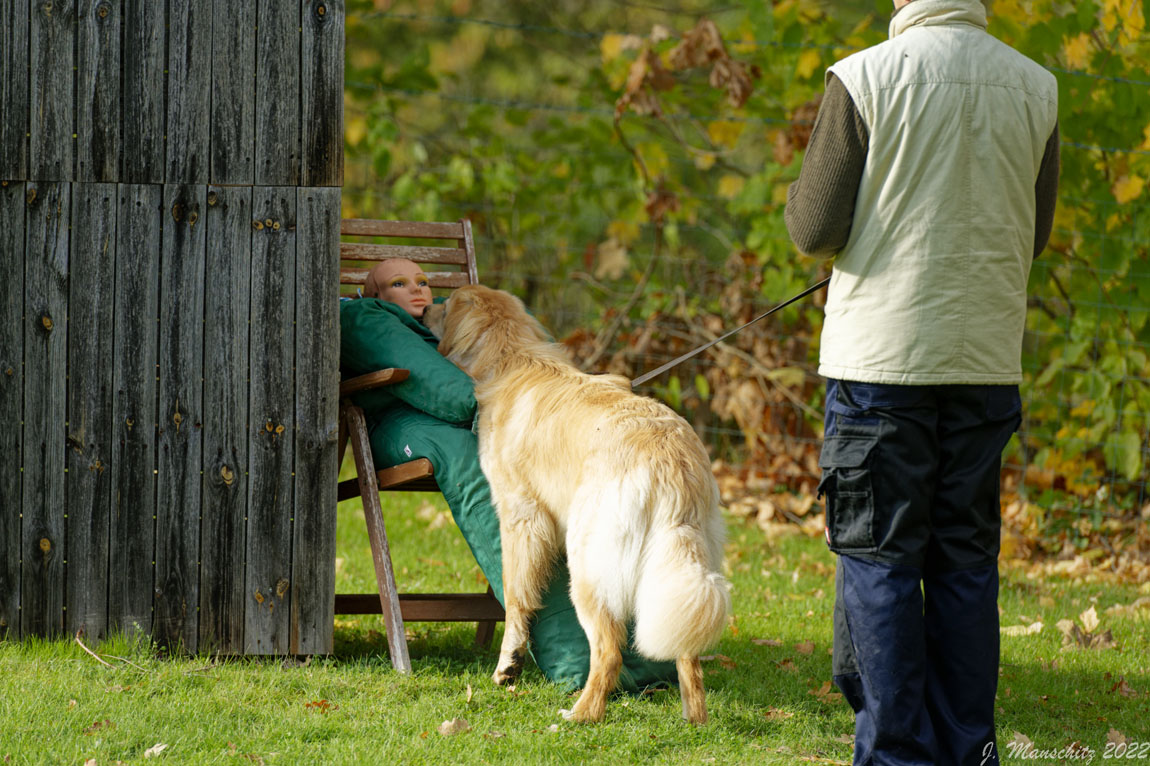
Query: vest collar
[{"x": 933, "y": 12}]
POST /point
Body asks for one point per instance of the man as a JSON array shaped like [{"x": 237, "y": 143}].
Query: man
[{"x": 931, "y": 178}]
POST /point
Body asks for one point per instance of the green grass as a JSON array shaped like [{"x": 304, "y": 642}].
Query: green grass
[{"x": 60, "y": 705}]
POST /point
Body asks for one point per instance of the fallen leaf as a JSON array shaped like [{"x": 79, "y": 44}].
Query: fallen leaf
[
  {"x": 320, "y": 706},
  {"x": 1021, "y": 742},
  {"x": 454, "y": 726},
  {"x": 766, "y": 642},
  {"x": 1116, "y": 737},
  {"x": 847, "y": 739},
  {"x": 1021, "y": 630},
  {"x": 786, "y": 664},
  {"x": 774, "y": 714},
  {"x": 155, "y": 750},
  {"x": 89, "y": 762},
  {"x": 494, "y": 735},
  {"x": 1123, "y": 688},
  {"x": 824, "y": 693},
  {"x": 1089, "y": 620},
  {"x": 97, "y": 726},
  {"x": 71, "y": 704},
  {"x": 553, "y": 728},
  {"x": 469, "y": 692},
  {"x": 805, "y": 647}
]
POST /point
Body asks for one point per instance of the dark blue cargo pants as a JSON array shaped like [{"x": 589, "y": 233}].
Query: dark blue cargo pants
[{"x": 911, "y": 480}]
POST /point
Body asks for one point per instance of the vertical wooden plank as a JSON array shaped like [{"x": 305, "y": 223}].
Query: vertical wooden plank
[
  {"x": 134, "y": 354},
  {"x": 143, "y": 92},
  {"x": 225, "y": 481},
  {"x": 179, "y": 434},
  {"x": 89, "y": 453},
  {"x": 272, "y": 417},
  {"x": 45, "y": 370},
  {"x": 322, "y": 92},
  {"x": 12, "y": 212},
  {"x": 277, "y": 159},
  {"x": 233, "y": 97},
  {"x": 52, "y": 32},
  {"x": 189, "y": 94},
  {"x": 14, "y": 104},
  {"x": 98, "y": 90},
  {"x": 317, "y": 384}
]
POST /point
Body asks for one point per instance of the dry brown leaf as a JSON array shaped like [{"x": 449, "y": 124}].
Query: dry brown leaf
[
  {"x": 766, "y": 641},
  {"x": 1116, "y": 737},
  {"x": 1020, "y": 742},
  {"x": 99, "y": 725},
  {"x": 454, "y": 726},
  {"x": 1123, "y": 688},
  {"x": 155, "y": 750},
  {"x": 1021, "y": 630},
  {"x": 824, "y": 693},
  {"x": 805, "y": 647},
  {"x": 774, "y": 714}
]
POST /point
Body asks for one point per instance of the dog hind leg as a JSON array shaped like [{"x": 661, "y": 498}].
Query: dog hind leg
[
  {"x": 691, "y": 689},
  {"x": 529, "y": 542},
  {"x": 606, "y": 634}
]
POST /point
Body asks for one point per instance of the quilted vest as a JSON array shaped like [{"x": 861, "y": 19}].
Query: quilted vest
[{"x": 931, "y": 285}]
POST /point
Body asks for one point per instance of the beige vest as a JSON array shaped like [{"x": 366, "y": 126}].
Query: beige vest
[{"x": 931, "y": 286}]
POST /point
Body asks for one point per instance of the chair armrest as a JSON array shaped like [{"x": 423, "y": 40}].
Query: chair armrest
[{"x": 373, "y": 380}]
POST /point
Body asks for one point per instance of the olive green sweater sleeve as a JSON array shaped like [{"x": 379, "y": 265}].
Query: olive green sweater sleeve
[{"x": 821, "y": 203}]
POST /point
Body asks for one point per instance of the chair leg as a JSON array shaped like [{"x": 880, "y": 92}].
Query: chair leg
[
  {"x": 377, "y": 533},
  {"x": 485, "y": 631}
]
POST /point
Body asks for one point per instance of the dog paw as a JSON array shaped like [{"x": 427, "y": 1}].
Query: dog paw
[{"x": 508, "y": 669}]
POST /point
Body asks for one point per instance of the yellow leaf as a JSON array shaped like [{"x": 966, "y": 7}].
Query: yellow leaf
[
  {"x": 625, "y": 232},
  {"x": 1127, "y": 188},
  {"x": 356, "y": 130},
  {"x": 730, "y": 185},
  {"x": 1013, "y": 10},
  {"x": 1077, "y": 51},
  {"x": 655, "y": 157},
  {"x": 724, "y": 132},
  {"x": 704, "y": 161},
  {"x": 613, "y": 44},
  {"x": 1083, "y": 410},
  {"x": 809, "y": 62}
]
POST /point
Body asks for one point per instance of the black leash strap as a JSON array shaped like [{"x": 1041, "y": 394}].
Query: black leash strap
[{"x": 658, "y": 370}]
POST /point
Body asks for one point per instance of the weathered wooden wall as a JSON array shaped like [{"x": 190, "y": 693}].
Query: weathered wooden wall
[{"x": 169, "y": 234}]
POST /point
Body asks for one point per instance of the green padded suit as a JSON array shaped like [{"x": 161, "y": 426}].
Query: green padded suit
[{"x": 430, "y": 415}]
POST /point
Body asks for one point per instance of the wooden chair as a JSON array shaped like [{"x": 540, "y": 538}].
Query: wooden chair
[{"x": 356, "y": 260}]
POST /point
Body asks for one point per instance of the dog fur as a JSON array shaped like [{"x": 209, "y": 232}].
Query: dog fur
[{"x": 620, "y": 480}]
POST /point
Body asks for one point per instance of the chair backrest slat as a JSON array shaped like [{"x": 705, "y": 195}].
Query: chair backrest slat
[
  {"x": 358, "y": 257},
  {"x": 361, "y": 251}
]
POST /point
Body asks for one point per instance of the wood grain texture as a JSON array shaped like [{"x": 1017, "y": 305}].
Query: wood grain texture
[
  {"x": 12, "y": 214},
  {"x": 225, "y": 479},
  {"x": 189, "y": 91},
  {"x": 45, "y": 405},
  {"x": 322, "y": 92},
  {"x": 180, "y": 427},
  {"x": 233, "y": 96},
  {"x": 89, "y": 452},
  {"x": 142, "y": 73},
  {"x": 98, "y": 27},
  {"x": 317, "y": 401},
  {"x": 139, "y": 232},
  {"x": 277, "y": 159},
  {"x": 14, "y": 104},
  {"x": 271, "y": 413},
  {"x": 52, "y": 32}
]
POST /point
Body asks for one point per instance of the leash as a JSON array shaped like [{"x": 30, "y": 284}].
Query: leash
[{"x": 658, "y": 370}]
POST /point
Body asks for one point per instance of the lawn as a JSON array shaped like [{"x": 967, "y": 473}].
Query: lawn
[{"x": 767, "y": 681}]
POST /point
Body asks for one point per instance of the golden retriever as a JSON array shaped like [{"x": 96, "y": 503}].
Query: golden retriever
[{"x": 621, "y": 480}]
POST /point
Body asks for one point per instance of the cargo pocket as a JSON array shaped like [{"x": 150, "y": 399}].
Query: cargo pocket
[{"x": 847, "y": 485}]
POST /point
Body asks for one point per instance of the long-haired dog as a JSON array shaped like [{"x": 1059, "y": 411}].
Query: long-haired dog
[{"x": 621, "y": 480}]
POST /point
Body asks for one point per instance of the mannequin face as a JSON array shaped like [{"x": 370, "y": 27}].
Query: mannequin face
[{"x": 401, "y": 282}]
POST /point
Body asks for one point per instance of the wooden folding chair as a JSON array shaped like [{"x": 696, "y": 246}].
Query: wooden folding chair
[{"x": 356, "y": 260}]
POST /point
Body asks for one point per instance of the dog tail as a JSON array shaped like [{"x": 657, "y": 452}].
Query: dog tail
[{"x": 681, "y": 603}]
